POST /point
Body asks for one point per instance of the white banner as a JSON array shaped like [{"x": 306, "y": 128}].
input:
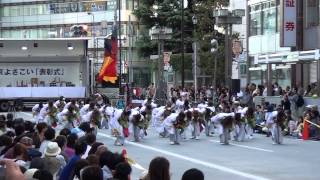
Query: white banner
[
  {"x": 16, "y": 74},
  {"x": 289, "y": 23}
]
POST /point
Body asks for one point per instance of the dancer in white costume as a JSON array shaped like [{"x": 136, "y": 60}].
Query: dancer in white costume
[
  {"x": 169, "y": 127},
  {"x": 60, "y": 103},
  {"x": 36, "y": 112},
  {"x": 86, "y": 109},
  {"x": 277, "y": 127},
  {"x": 223, "y": 122},
  {"x": 70, "y": 118},
  {"x": 239, "y": 132},
  {"x": 208, "y": 114}
]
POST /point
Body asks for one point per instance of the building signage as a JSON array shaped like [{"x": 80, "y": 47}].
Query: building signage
[
  {"x": 31, "y": 71},
  {"x": 289, "y": 23}
]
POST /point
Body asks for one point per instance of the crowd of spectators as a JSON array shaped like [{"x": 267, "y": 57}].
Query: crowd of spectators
[{"x": 31, "y": 151}]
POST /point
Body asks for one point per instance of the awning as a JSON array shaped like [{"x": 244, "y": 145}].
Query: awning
[{"x": 287, "y": 57}]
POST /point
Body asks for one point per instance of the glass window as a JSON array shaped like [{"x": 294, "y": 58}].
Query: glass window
[
  {"x": 111, "y": 5},
  {"x": 26, "y": 10},
  {"x": 129, "y": 4},
  {"x": 34, "y": 10},
  {"x": 269, "y": 20},
  {"x": 123, "y": 4},
  {"x": 255, "y": 20},
  {"x": 44, "y": 33},
  {"x": 74, "y": 7},
  {"x": 94, "y": 6},
  {"x": 135, "y": 4},
  {"x": 5, "y": 34},
  {"x": 15, "y": 11},
  {"x": 123, "y": 29},
  {"x": 6, "y": 11}
]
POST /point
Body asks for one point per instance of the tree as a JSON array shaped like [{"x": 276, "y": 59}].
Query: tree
[{"x": 168, "y": 14}]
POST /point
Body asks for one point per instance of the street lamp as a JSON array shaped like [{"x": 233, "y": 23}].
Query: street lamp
[
  {"x": 195, "y": 54},
  {"x": 226, "y": 18}
]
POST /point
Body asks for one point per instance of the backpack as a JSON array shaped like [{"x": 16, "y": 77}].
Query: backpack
[{"x": 300, "y": 101}]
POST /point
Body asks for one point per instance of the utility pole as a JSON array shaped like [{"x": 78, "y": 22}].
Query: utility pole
[
  {"x": 130, "y": 79},
  {"x": 182, "y": 43},
  {"x": 226, "y": 51}
]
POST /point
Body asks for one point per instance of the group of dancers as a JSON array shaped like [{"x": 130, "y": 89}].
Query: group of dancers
[{"x": 178, "y": 120}]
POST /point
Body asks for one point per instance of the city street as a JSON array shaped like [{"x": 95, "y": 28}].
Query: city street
[{"x": 255, "y": 159}]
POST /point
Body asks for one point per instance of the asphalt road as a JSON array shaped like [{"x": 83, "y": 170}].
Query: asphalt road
[{"x": 254, "y": 159}]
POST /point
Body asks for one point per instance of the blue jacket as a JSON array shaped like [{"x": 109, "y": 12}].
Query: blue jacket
[{"x": 67, "y": 171}]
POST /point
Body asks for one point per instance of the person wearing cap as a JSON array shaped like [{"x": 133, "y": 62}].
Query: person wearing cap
[{"x": 53, "y": 160}]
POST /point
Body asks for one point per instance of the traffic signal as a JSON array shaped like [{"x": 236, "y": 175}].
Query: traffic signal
[{"x": 79, "y": 30}]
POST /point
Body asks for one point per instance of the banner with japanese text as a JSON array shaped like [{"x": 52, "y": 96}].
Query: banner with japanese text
[
  {"x": 288, "y": 31},
  {"x": 15, "y": 74}
]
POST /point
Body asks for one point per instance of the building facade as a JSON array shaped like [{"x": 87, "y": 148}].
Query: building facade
[
  {"x": 294, "y": 66},
  {"x": 42, "y": 19},
  {"x": 264, "y": 38}
]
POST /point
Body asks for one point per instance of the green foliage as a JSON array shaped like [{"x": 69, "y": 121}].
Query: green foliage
[
  {"x": 175, "y": 61},
  {"x": 169, "y": 15}
]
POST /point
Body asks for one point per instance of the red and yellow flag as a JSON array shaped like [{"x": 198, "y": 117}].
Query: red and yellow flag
[{"x": 108, "y": 71}]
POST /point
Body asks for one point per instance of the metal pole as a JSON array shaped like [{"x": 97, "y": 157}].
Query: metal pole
[
  {"x": 215, "y": 70},
  {"x": 182, "y": 43},
  {"x": 195, "y": 71},
  {"x": 318, "y": 77},
  {"x": 230, "y": 56},
  {"x": 130, "y": 79},
  {"x": 247, "y": 43},
  {"x": 120, "y": 47},
  {"x": 269, "y": 82},
  {"x": 226, "y": 49}
]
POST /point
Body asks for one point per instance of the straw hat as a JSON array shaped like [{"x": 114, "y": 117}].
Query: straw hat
[{"x": 52, "y": 149}]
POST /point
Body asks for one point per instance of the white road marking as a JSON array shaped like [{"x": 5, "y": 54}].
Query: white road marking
[
  {"x": 248, "y": 147},
  {"x": 195, "y": 161},
  {"x": 138, "y": 166}
]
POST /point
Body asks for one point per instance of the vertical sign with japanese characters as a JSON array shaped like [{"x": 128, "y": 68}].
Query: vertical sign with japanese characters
[{"x": 289, "y": 23}]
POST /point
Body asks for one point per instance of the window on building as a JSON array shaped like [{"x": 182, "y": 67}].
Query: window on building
[
  {"x": 255, "y": 20},
  {"x": 111, "y": 5},
  {"x": 16, "y": 11},
  {"x": 269, "y": 19},
  {"x": 135, "y": 4},
  {"x": 26, "y": 10},
  {"x": 123, "y": 29},
  {"x": 312, "y": 13},
  {"x": 129, "y": 4},
  {"x": 6, "y": 11}
]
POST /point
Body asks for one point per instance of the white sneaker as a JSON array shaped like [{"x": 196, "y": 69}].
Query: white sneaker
[
  {"x": 171, "y": 143},
  {"x": 197, "y": 138}
]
